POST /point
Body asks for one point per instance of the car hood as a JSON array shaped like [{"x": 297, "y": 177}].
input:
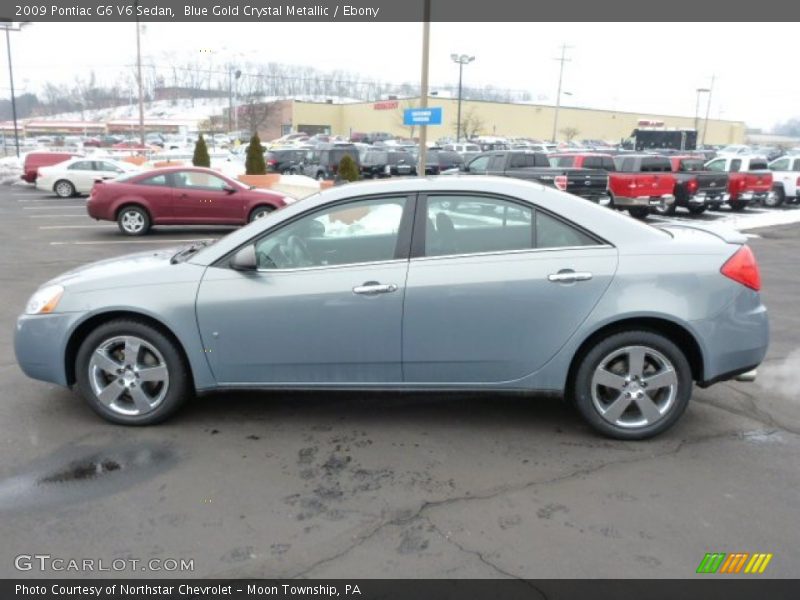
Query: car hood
[{"x": 119, "y": 271}]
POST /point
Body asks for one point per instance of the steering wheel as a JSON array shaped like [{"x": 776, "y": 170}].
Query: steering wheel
[{"x": 298, "y": 252}]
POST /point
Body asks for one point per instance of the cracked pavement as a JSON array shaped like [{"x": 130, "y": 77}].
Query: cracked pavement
[{"x": 345, "y": 485}]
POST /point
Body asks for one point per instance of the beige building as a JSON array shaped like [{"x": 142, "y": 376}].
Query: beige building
[{"x": 487, "y": 118}]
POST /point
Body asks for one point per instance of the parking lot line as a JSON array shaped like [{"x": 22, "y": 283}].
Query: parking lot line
[
  {"x": 71, "y": 206},
  {"x": 61, "y": 216},
  {"x": 103, "y": 226},
  {"x": 97, "y": 243}
]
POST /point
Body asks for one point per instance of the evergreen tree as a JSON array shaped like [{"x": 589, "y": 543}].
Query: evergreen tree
[
  {"x": 201, "y": 157},
  {"x": 254, "y": 162},
  {"x": 348, "y": 169}
]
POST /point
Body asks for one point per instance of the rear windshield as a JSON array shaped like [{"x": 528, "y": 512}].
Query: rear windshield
[
  {"x": 656, "y": 164},
  {"x": 691, "y": 164},
  {"x": 758, "y": 165},
  {"x": 562, "y": 161}
]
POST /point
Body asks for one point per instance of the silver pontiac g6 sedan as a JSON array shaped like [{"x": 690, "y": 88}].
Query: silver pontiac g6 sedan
[{"x": 451, "y": 283}]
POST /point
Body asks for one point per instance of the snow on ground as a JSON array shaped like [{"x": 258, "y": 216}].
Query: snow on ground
[
  {"x": 743, "y": 222},
  {"x": 10, "y": 170}
]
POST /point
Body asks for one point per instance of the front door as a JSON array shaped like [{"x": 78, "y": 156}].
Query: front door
[
  {"x": 325, "y": 305},
  {"x": 202, "y": 197},
  {"x": 497, "y": 291}
]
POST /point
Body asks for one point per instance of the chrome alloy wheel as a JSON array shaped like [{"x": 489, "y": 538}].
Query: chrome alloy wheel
[
  {"x": 64, "y": 189},
  {"x": 132, "y": 221},
  {"x": 634, "y": 387},
  {"x": 128, "y": 375}
]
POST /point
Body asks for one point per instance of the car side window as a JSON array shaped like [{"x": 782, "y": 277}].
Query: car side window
[
  {"x": 81, "y": 165},
  {"x": 591, "y": 162},
  {"x": 496, "y": 163},
  {"x": 355, "y": 232},
  {"x": 106, "y": 166},
  {"x": 716, "y": 165},
  {"x": 555, "y": 233},
  {"x": 736, "y": 165},
  {"x": 480, "y": 163},
  {"x": 518, "y": 160},
  {"x": 780, "y": 165},
  {"x": 199, "y": 180},
  {"x": 465, "y": 224},
  {"x": 157, "y": 180}
]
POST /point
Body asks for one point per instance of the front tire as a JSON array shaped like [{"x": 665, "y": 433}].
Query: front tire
[
  {"x": 777, "y": 199},
  {"x": 130, "y": 373},
  {"x": 64, "y": 189},
  {"x": 697, "y": 210},
  {"x": 133, "y": 220},
  {"x": 632, "y": 385}
]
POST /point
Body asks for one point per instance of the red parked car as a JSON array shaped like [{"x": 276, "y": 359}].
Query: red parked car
[
  {"x": 179, "y": 196},
  {"x": 34, "y": 160}
]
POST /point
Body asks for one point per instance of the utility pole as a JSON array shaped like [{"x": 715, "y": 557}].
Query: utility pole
[
  {"x": 139, "y": 73},
  {"x": 708, "y": 108},
  {"x": 562, "y": 60},
  {"x": 423, "y": 129}
]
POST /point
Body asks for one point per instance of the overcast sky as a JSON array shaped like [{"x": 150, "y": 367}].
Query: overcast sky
[{"x": 643, "y": 67}]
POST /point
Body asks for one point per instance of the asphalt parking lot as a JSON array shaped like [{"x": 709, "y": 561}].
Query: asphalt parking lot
[{"x": 342, "y": 485}]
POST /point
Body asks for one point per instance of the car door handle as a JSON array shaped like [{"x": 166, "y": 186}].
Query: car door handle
[
  {"x": 569, "y": 276},
  {"x": 371, "y": 288}
]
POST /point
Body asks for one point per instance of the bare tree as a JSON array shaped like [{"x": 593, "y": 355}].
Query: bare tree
[
  {"x": 471, "y": 124},
  {"x": 569, "y": 133}
]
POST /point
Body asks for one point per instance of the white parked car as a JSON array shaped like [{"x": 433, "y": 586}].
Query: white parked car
[
  {"x": 785, "y": 178},
  {"x": 77, "y": 175}
]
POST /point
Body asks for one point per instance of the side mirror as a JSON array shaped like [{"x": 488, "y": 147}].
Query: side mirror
[
  {"x": 229, "y": 189},
  {"x": 245, "y": 259},
  {"x": 463, "y": 168}
]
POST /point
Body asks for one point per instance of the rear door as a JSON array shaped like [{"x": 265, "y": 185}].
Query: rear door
[
  {"x": 201, "y": 197},
  {"x": 491, "y": 294}
]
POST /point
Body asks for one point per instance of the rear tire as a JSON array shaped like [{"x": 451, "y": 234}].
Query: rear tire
[
  {"x": 638, "y": 212},
  {"x": 697, "y": 210},
  {"x": 738, "y": 206},
  {"x": 133, "y": 220},
  {"x": 259, "y": 212},
  {"x": 132, "y": 374},
  {"x": 64, "y": 189},
  {"x": 630, "y": 398}
]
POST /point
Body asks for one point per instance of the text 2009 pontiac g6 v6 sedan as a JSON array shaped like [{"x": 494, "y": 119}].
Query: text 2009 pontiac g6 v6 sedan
[{"x": 446, "y": 283}]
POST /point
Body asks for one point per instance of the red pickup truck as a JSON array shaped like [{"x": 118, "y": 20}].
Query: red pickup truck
[
  {"x": 749, "y": 179},
  {"x": 639, "y": 183}
]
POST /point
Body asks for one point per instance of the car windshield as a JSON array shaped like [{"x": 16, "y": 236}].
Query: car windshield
[{"x": 692, "y": 164}]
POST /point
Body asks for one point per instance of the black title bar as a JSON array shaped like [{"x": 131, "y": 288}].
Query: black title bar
[{"x": 402, "y": 10}]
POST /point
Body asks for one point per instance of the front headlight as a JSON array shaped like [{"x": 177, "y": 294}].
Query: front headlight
[{"x": 44, "y": 300}]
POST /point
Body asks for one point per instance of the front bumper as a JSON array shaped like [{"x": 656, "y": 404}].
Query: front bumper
[{"x": 40, "y": 342}]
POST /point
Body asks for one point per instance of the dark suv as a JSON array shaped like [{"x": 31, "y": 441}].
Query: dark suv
[
  {"x": 375, "y": 163},
  {"x": 437, "y": 161},
  {"x": 323, "y": 161},
  {"x": 287, "y": 160}
]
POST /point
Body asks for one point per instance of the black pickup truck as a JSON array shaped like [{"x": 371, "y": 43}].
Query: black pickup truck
[
  {"x": 696, "y": 188},
  {"x": 591, "y": 184}
]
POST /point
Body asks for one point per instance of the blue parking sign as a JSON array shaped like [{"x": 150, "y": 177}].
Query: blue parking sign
[{"x": 422, "y": 116}]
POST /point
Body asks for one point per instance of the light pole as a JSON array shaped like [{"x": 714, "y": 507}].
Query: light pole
[
  {"x": 461, "y": 60},
  {"x": 697, "y": 108},
  {"x": 562, "y": 60},
  {"x": 9, "y": 28}
]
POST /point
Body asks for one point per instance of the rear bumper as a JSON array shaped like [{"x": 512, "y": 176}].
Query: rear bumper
[
  {"x": 736, "y": 340},
  {"x": 601, "y": 199},
  {"x": 644, "y": 201},
  {"x": 754, "y": 196},
  {"x": 706, "y": 197}
]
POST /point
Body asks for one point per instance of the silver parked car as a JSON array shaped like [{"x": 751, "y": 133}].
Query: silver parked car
[{"x": 475, "y": 283}]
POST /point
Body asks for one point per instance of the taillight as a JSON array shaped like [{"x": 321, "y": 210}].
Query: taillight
[
  {"x": 272, "y": 162},
  {"x": 743, "y": 268},
  {"x": 797, "y": 183},
  {"x": 561, "y": 182},
  {"x": 691, "y": 185}
]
